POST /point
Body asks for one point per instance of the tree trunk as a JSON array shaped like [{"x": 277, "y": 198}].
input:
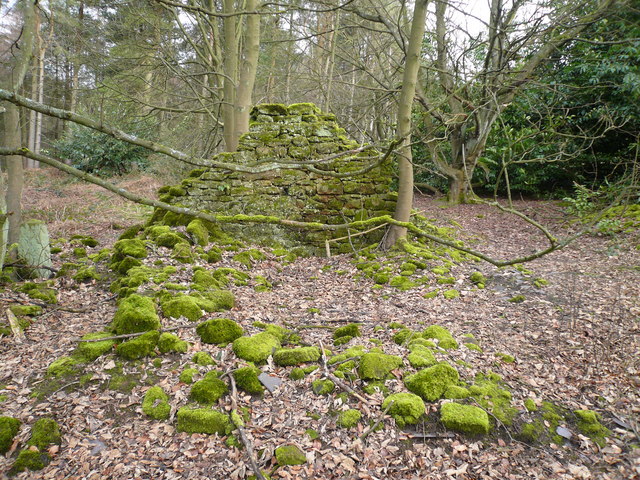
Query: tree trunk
[
  {"x": 230, "y": 79},
  {"x": 248, "y": 71},
  {"x": 405, "y": 104}
]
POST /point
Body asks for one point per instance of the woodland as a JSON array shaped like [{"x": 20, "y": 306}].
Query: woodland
[{"x": 359, "y": 239}]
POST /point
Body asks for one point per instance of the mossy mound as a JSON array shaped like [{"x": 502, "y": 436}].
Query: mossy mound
[
  {"x": 248, "y": 257},
  {"x": 208, "y": 390},
  {"x": 186, "y": 376},
  {"x": 219, "y": 330},
  {"x": 198, "y": 231},
  {"x": 203, "y": 359},
  {"x": 89, "y": 351},
  {"x": 377, "y": 366},
  {"x": 323, "y": 387},
  {"x": 351, "y": 330},
  {"x": 203, "y": 420},
  {"x": 45, "y": 432},
  {"x": 26, "y": 310},
  {"x": 421, "y": 356},
  {"x": 156, "y": 404},
  {"x": 9, "y": 428},
  {"x": 182, "y": 306},
  {"x": 29, "y": 460},
  {"x": 39, "y": 291},
  {"x": 247, "y": 380},
  {"x": 290, "y": 455},
  {"x": 457, "y": 392},
  {"x": 296, "y": 356},
  {"x": 488, "y": 392},
  {"x": 139, "y": 347},
  {"x": 349, "y": 418},
  {"x": 442, "y": 335},
  {"x": 432, "y": 382},
  {"x": 135, "y": 314},
  {"x": 464, "y": 418},
  {"x": 168, "y": 342},
  {"x": 588, "y": 423},
  {"x": 407, "y": 408},
  {"x": 63, "y": 367},
  {"x": 215, "y": 300},
  {"x": 256, "y": 348},
  {"x": 127, "y": 254}
]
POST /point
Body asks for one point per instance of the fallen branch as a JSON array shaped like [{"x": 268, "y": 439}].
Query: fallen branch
[
  {"x": 132, "y": 335},
  {"x": 327, "y": 374},
  {"x": 372, "y": 428},
  {"x": 239, "y": 424},
  {"x": 34, "y": 267}
]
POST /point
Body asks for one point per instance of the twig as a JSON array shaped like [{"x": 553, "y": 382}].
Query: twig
[
  {"x": 65, "y": 386},
  {"x": 372, "y": 428},
  {"x": 38, "y": 267},
  {"x": 337, "y": 381},
  {"x": 131, "y": 335},
  {"x": 237, "y": 421}
]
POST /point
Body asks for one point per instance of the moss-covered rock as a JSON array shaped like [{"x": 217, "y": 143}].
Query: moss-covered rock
[
  {"x": 421, "y": 356},
  {"x": 248, "y": 257},
  {"x": 219, "y": 330},
  {"x": 530, "y": 405},
  {"x": 208, "y": 390},
  {"x": 432, "y": 382},
  {"x": 182, "y": 306},
  {"x": 215, "y": 300},
  {"x": 256, "y": 348},
  {"x": 89, "y": 351},
  {"x": 588, "y": 424},
  {"x": 9, "y": 428},
  {"x": 29, "y": 460},
  {"x": 139, "y": 347},
  {"x": 488, "y": 392},
  {"x": 456, "y": 392},
  {"x": 86, "y": 274},
  {"x": 38, "y": 291},
  {"x": 186, "y": 376},
  {"x": 198, "y": 232},
  {"x": 323, "y": 387},
  {"x": 168, "y": 342},
  {"x": 464, "y": 418},
  {"x": 247, "y": 380},
  {"x": 156, "y": 404},
  {"x": 290, "y": 455},
  {"x": 349, "y": 418},
  {"x": 63, "y": 367},
  {"x": 296, "y": 356},
  {"x": 203, "y": 420},
  {"x": 44, "y": 433},
  {"x": 135, "y": 314},
  {"x": 444, "y": 337},
  {"x": 26, "y": 310},
  {"x": 377, "y": 366},
  {"x": 130, "y": 247},
  {"x": 203, "y": 359},
  {"x": 351, "y": 330},
  {"x": 406, "y": 408}
]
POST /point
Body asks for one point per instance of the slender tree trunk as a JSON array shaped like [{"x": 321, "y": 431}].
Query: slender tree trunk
[
  {"x": 248, "y": 71},
  {"x": 230, "y": 78},
  {"x": 405, "y": 104}
]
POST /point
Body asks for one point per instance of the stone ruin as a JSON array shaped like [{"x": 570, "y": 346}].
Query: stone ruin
[{"x": 292, "y": 134}]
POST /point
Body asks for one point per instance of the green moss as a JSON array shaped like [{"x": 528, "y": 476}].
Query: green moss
[
  {"x": 198, "y": 232},
  {"x": 130, "y": 247},
  {"x": 540, "y": 282},
  {"x": 285, "y": 335},
  {"x": 531, "y": 432},
  {"x": 290, "y": 455},
  {"x": 351, "y": 330},
  {"x": 89, "y": 351},
  {"x": 256, "y": 348},
  {"x": 135, "y": 314},
  {"x": 202, "y": 359},
  {"x": 86, "y": 274},
  {"x": 215, "y": 300},
  {"x": 506, "y": 358},
  {"x": 473, "y": 346},
  {"x": 464, "y": 418},
  {"x": 168, "y": 342},
  {"x": 80, "y": 252},
  {"x": 406, "y": 409},
  {"x": 186, "y": 376},
  {"x": 139, "y": 347},
  {"x": 45, "y": 432},
  {"x": 451, "y": 294},
  {"x": 349, "y": 418},
  {"x": 182, "y": 252},
  {"x": 421, "y": 341},
  {"x": 488, "y": 393},
  {"x": 156, "y": 404},
  {"x": 130, "y": 232},
  {"x": 402, "y": 283},
  {"x": 227, "y": 276},
  {"x": 456, "y": 392},
  {"x": 29, "y": 460},
  {"x": 170, "y": 240},
  {"x": 311, "y": 433},
  {"x": 589, "y": 424},
  {"x": 203, "y": 420},
  {"x": 9, "y": 428},
  {"x": 203, "y": 280},
  {"x": 342, "y": 340},
  {"x": 182, "y": 306},
  {"x": 530, "y": 405},
  {"x": 38, "y": 291},
  {"x": 421, "y": 356},
  {"x": 313, "y": 310},
  {"x": 247, "y": 380},
  {"x": 208, "y": 390},
  {"x": 377, "y": 366},
  {"x": 219, "y": 330},
  {"x": 431, "y": 383},
  {"x": 478, "y": 279},
  {"x": 323, "y": 387},
  {"x": 262, "y": 284},
  {"x": 444, "y": 337},
  {"x": 297, "y": 374},
  {"x": 403, "y": 336},
  {"x": 431, "y": 294},
  {"x": 248, "y": 257},
  {"x": 63, "y": 367},
  {"x": 517, "y": 299},
  {"x": 26, "y": 310},
  {"x": 296, "y": 356}
]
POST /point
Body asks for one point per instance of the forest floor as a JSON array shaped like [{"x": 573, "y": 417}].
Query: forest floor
[{"x": 576, "y": 343}]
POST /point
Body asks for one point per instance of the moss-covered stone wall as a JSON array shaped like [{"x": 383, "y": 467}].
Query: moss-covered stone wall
[{"x": 290, "y": 134}]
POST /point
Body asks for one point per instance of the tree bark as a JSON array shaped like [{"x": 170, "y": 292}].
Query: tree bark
[
  {"x": 405, "y": 104},
  {"x": 248, "y": 71},
  {"x": 230, "y": 78}
]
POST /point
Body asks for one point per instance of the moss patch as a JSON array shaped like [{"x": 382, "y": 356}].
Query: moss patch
[
  {"x": 290, "y": 455},
  {"x": 202, "y": 420},
  {"x": 182, "y": 306},
  {"x": 156, "y": 404},
  {"x": 432, "y": 382},
  {"x": 377, "y": 366},
  {"x": 323, "y": 387},
  {"x": 203, "y": 359},
  {"x": 464, "y": 418},
  {"x": 186, "y": 376},
  {"x": 349, "y": 418},
  {"x": 351, "y": 330},
  {"x": 588, "y": 423},
  {"x": 208, "y": 390},
  {"x": 256, "y": 348},
  {"x": 9, "y": 428},
  {"x": 247, "y": 380},
  {"x": 219, "y": 330},
  {"x": 168, "y": 342},
  {"x": 407, "y": 408},
  {"x": 29, "y": 460},
  {"x": 139, "y": 347},
  {"x": 296, "y": 356},
  {"x": 135, "y": 314},
  {"x": 442, "y": 335}
]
